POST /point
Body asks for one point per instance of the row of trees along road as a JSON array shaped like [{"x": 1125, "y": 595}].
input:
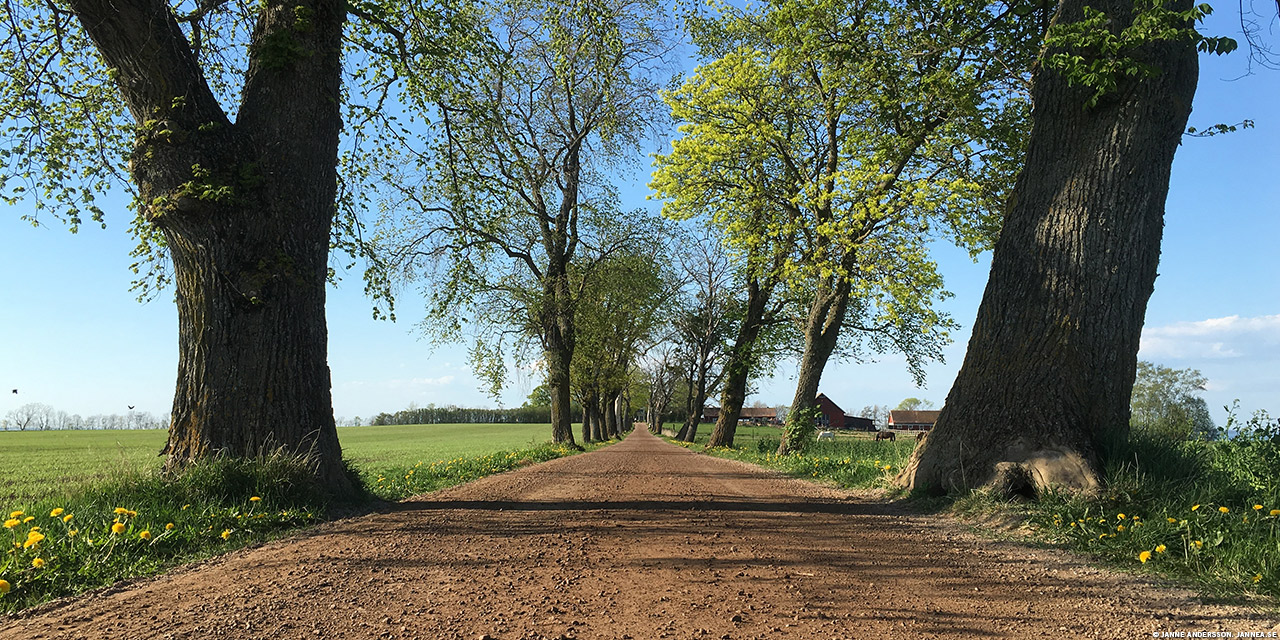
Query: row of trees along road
[
  {"x": 825, "y": 142},
  {"x": 829, "y": 143}
]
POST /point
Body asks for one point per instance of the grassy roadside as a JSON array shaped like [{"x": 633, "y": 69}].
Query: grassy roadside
[
  {"x": 1203, "y": 514},
  {"x": 139, "y": 523}
]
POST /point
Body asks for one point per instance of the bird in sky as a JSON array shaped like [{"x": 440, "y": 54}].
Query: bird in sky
[
  {"x": 131, "y": 407},
  {"x": 15, "y": 391}
]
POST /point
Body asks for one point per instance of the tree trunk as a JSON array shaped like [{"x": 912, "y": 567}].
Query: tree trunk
[
  {"x": 558, "y": 339},
  {"x": 822, "y": 331},
  {"x": 586, "y": 424},
  {"x": 1045, "y": 385},
  {"x": 246, "y": 211},
  {"x": 698, "y": 405},
  {"x": 610, "y": 418},
  {"x": 742, "y": 360},
  {"x": 597, "y": 420}
]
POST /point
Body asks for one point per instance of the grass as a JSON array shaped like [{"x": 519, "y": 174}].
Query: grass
[
  {"x": 40, "y": 465},
  {"x": 852, "y": 460},
  {"x": 1205, "y": 514},
  {"x": 91, "y": 509}
]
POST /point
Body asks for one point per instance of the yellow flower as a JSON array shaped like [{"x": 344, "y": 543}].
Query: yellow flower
[
  {"x": 1144, "y": 556},
  {"x": 185, "y": 507},
  {"x": 56, "y": 512},
  {"x": 1194, "y": 507},
  {"x": 4, "y": 587},
  {"x": 1275, "y": 512},
  {"x": 1172, "y": 520},
  {"x": 11, "y": 523},
  {"x": 1257, "y": 507},
  {"x": 1196, "y": 544},
  {"x": 1119, "y": 527},
  {"x": 117, "y": 527},
  {"x": 1160, "y": 548},
  {"x": 72, "y": 533},
  {"x": 15, "y": 514},
  {"x": 120, "y": 511},
  {"x": 226, "y": 534},
  {"x": 168, "y": 527},
  {"x": 28, "y": 519},
  {"x": 1119, "y": 516},
  {"x": 145, "y": 535},
  {"x": 33, "y": 539},
  {"x": 66, "y": 518},
  {"x": 1224, "y": 509},
  {"x": 1257, "y": 577},
  {"x": 37, "y": 563},
  {"x": 255, "y": 499}
]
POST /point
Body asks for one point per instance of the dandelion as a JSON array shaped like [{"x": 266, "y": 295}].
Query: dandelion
[
  {"x": 72, "y": 533},
  {"x": 226, "y": 534},
  {"x": 56, "y": 512},
  {"x": 1144, "y": 557},
  {"x": 33, "y": 539},
  {"x": 1194, "y": 507},
  {"x": 120, "y": 511},
  {"x": 255, "y": 499},
  {"x": 11, "y": 523},
  {"x": 28, "y": 519},
  {"x": 1275, "y": 512},
  {"x": 1257, "y": 507},
  {"x": 15, "y": 514},
  {"x": 1160, "y": 548},
  {"x": 1197, "y": 544},
  {"x": 1119, "y": 527},
  {"x": 66, "y": 518},
  {"x": 1224, "y": 510},
  {"x": 4, "y": 587},
  {"x": 1257, "y": 578},
  {"x": 1119, "y": 516},
  {"x": 1172, "y": 520},
  {"x": 117, "y": 527},
  {"x": 37, "y": 563},
  {"x": 168, "y": 527}
]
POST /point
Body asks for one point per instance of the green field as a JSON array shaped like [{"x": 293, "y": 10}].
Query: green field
[{"x": 35, "y": 465}]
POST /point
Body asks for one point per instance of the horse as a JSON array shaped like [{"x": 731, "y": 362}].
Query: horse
[{"x": 886, "y": 435}]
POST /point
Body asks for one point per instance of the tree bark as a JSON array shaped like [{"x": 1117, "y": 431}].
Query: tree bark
[
  {"x": 586, "y": 424},
  {"x": 1045, "y": 385},
  {"x": 610, "y": 418},
  {"x": 742, "y": 360},
  {"x": 246, "y": 209},
  {"x": 822, "y": 331},
  {"x": 558, "y": 340}
]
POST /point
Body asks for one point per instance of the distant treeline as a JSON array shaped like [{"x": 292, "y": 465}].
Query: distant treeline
[
  {"x": 35, "y": 416},
  {"x": 432, "y": 414}
]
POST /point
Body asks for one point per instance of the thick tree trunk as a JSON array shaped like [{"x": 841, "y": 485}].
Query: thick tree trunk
[
  {"x": 598, "y": 432},
  {"x": 699, "y": 404},
  {"x": 610, "y": 418},
  {"x": 822, "y": 331},
  {"x": 1046, "y": 380},
  {"x": 586, "y": 424},
  {"x": 558, "y": 340},
  {"x": 246, "y": 211},
  {"x": 742, "y": 360}
]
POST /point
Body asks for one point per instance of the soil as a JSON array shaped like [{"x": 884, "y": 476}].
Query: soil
[{"x": 640, "y": 540}]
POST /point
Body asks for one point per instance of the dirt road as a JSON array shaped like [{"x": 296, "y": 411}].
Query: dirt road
[{"x": 641, "y": 540}]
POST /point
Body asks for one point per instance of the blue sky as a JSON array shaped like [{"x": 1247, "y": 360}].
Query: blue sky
[{"x": 72, "y": 335}]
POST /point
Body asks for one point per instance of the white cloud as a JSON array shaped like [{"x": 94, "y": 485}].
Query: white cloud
[{"x": 1212, "y": 339}]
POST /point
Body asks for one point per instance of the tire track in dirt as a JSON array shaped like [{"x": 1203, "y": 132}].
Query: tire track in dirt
[{"x": 641, "y": 540}]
